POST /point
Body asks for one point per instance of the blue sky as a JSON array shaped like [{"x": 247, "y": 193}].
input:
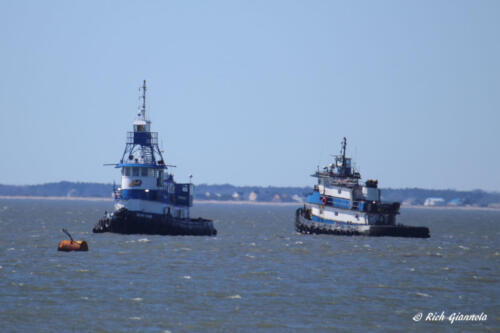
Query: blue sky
[{"x": 254, "y": 92}]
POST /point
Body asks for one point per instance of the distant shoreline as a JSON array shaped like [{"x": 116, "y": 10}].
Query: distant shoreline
[
  {"x": 247, "y": 202},
  {"x": 241, "y": 202},
  {"x": 451, "y": 207},
  {"x": 26, "y": 197},
  {"x": 198, "y": 202}
]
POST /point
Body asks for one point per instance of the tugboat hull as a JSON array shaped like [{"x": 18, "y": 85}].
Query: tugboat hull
[
  {"x": 307, "y": 226},
  {"x": 124, "y": 221}
]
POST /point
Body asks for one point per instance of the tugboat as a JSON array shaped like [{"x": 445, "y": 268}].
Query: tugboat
[
  {"x": 148, "y": 200},
  {"x": 340, "y": 205}
]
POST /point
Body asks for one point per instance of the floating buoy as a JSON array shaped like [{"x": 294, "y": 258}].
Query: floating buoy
[{"x": 72, "y": 245}]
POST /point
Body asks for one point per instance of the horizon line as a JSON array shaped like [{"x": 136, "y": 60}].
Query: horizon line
[{"x": 264, "y": 186}]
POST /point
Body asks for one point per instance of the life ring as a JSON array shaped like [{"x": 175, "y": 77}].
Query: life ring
[{"x": 323, "y": 200}]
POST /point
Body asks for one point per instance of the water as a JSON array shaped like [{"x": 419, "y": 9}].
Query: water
[{"x": 256, "y": 275}]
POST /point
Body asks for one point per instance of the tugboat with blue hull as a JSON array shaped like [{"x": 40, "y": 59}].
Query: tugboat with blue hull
[
  {"x": 148, "y": 200},
  {"x": 340, "y": 205}
]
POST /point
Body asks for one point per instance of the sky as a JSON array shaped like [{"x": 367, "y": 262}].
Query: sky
[{"x": 254, "y": 92}]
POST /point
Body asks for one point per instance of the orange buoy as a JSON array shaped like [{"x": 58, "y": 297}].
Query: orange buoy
[
  {"x": 72, "y": 245},
  {"x": 69, "y": 245}
]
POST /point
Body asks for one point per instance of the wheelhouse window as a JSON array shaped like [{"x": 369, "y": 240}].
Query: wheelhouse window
[
  {"x": 127, "y": 171},
  {"x": 135, "y": 171},
  {"x": 144, "y": 172}
]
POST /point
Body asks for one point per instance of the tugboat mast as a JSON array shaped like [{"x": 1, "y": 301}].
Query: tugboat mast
[
  {"x": 343, "y": 168},
  {"x": 142, "y": 108}
]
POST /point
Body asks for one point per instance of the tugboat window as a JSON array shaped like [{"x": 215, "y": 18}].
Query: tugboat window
[
  {"x": 135, "y": 172},
  {"x": 144, "y": 172},
  {"x": 127, "y": 171}
]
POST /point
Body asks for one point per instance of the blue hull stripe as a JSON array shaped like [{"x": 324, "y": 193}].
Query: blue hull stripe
[
  {"x": 158, "y": 196},
  {"x": 315, "y": 198},
  {"x": 152, "y": 195},
  {"x": 319, "y": 219}
]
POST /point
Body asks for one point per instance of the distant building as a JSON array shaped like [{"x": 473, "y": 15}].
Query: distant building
[
  {"x": 207, "y": 194},
  {"x": 434, "y": 202},
  {"x": 72, "y": 193},
  {"x": 297, "y": 198},
  {"x": 252, "y": 196},
  {"x": 456, "y": 202},
  {"x": 235, "y": 196},
  {"x": 409, "y": 202},
  {"x": 276, "y": 198}
]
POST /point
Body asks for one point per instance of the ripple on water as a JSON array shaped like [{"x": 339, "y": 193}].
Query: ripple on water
[
  {"x": 234, "y": 296},
  {"x": 484, "y": 279}
]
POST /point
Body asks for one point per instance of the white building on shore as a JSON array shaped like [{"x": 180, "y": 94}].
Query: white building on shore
[{"x": 434, "y": 202}]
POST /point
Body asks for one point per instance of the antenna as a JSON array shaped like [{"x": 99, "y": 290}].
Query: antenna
[
  {"x": 344, "y": 144},
  {"x": 143, "y": 109},
  {"x": 342, "y": 151}
]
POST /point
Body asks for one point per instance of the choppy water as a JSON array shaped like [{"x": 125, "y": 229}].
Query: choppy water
[{"x": 256, "y": 275}]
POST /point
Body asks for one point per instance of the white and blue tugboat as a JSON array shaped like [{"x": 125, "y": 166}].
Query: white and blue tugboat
[
  {"x": 149, "y": 201},
  {"x": 340, "y": 205}
]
